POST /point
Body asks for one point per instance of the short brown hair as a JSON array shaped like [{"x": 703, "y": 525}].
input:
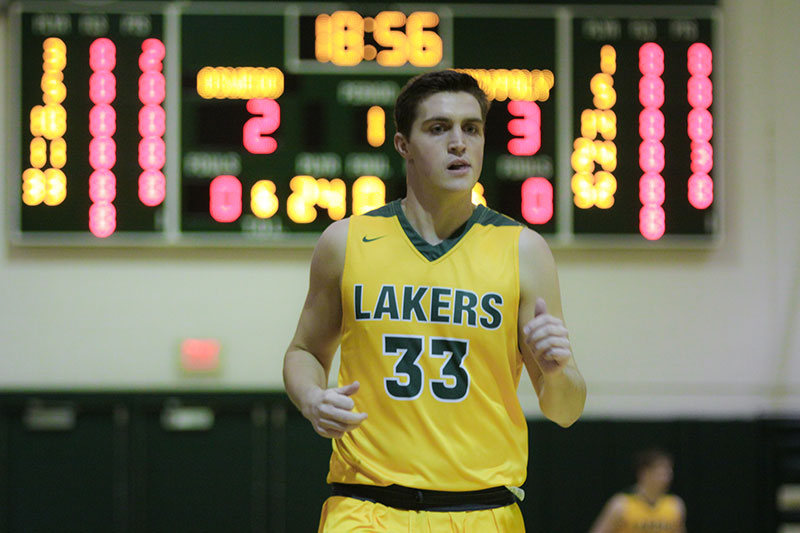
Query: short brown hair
[
  {"x": 420, "y": 87},
  {"x": 647, "y": 458}
]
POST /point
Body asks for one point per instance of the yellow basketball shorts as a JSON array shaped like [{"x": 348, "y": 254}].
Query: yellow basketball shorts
[{"x": 346, "y": 515}]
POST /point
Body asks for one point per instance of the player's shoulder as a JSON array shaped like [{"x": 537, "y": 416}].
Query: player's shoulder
[
  {"x": 618, "y": 503},
  {"x": 534, "y": 250},
  {"x": 676, "y": 501},
  {"x": 329, "y": 252},
  {"x": 335, "y": 235}
]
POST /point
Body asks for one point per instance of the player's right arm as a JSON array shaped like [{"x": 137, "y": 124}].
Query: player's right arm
[
  {"x": 308, "y": 359},
  {"x": 610, "y": 517}
]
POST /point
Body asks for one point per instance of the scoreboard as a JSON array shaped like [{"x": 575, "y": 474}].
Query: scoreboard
[{"x": 260, "y": 123}]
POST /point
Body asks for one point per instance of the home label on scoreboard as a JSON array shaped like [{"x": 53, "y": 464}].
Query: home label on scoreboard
[{"x": 250, "y": 123}]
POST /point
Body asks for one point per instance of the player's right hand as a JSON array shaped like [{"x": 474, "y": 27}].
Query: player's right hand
[{"x": 331, "y": 411}]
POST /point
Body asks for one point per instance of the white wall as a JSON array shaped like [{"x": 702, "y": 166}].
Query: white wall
[{"x": 656, "y": 333}]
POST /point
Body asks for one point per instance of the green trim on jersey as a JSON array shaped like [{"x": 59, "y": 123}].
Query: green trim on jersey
[{"x": 481, "y": 215}]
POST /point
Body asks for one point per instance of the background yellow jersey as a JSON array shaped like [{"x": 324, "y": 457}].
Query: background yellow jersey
[
  {"x": 641, "y": 516},
  {"x": 430, "y": 332}
]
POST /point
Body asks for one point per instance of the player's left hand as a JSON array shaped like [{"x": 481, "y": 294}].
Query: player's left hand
[{"x": 548, "y": 340}]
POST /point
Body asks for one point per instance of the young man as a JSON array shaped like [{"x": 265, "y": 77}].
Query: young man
[
  {"x": 437, "y": 304},
  {"x": 647, "y": 506}
]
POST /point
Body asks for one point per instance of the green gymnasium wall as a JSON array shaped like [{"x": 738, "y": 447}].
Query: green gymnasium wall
[{"x": 153, "y": 462}]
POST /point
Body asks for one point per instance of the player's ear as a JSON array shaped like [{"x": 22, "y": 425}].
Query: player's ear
[{"x": 401, "y": 144}]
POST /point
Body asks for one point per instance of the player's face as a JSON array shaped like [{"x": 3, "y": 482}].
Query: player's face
[
  {"x": 659, "y": 475},
  {"x": 445, "y": 147}
]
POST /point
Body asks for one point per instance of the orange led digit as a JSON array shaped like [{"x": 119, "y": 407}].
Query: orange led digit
[
  {"x": 424, "y": 47},
  {"x": 33, "y": 186},
  {"x": 58, "y": 153},
  {"x": 48, "y": 122},
  {"x": 395, "y": 41},
  {"x": 263, "y": 201},
  {"x": 347, "y": 38},
  {"x": 323, "y": 40},
  {"x": 376, "y": 126},
  {"x": 369, "y": 193},
  {"x": 55, "y": 186},
  {"x": 333, "y": 197},
  {"x": 596, "y": 189},
  {"x": 38, "y": 152},
  {"x": 300, "y": 204}
]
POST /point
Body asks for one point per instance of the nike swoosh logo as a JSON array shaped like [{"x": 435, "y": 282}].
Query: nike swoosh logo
[{"x": 364, "y": 238}]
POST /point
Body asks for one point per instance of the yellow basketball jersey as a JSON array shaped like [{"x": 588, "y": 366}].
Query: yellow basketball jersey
[
  {"x": 640, "y": 516},
  {"x": 430, "y": 332}
]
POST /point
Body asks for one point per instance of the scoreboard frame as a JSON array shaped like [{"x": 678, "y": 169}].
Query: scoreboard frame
[{"x": 170, "y": 230}]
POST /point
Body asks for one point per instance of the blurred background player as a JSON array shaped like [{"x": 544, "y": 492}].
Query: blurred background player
[{"x": 646, "y": 507}]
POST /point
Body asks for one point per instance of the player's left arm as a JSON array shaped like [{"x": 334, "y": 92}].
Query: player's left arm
[{"x": 543, "y": 337}]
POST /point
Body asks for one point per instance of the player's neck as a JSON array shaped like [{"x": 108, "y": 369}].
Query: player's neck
[
  {"x": 435, "y": 219},
  {"x": 650, "y": 495}
]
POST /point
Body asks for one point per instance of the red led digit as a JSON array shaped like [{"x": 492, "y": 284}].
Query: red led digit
[
  {"x": 152, "y": 123},
  {"x": 528, "y": 129},
  {"x": 701, "y": 190},
  {"x": 102, "y": 186},
  {"x": 651, "y": 124},
  {"x": 152, "y": 187},
  {"x": 651, "y": 189},
  {"x": 225, "y": 199},
  {"x": 102, "y": 219},
  {"x": 102, "y": 121},
  {"x": 700, "y": 92},
  {"x": 651, "y": 155},
  {"x": 102, "y": 148},
  {"x": 699, "y": 58},
  {"x": 152, "y": 88},
  {"x": 700, "y": 125},
  {"x": 152, "y": 153},
  {"x": 102, "y": 153},
  {"x": 537, "y": 200},
  {"x": 255, "y": 135},
  {"x": 102, "y": 55},
  {"x": 652, "y": 219},
  {"x": 102, "y": 87},
  {"x": 651, "y": 91},
  {"x": 651, "y": 59},
  {"x": 652, "y": 222},
  {"x": 153, "y": 52},
  {"x": 702, "y": 157}
]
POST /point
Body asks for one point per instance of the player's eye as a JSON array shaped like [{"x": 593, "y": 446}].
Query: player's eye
[{"x": 473, "y": 129}]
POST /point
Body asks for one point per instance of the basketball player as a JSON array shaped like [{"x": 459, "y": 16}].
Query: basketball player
[
  {"x": 647, "y": 506},
  {"x": 437, "y": 305}
]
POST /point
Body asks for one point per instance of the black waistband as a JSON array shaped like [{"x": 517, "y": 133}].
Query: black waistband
[{"x": 400, "y": 497}]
